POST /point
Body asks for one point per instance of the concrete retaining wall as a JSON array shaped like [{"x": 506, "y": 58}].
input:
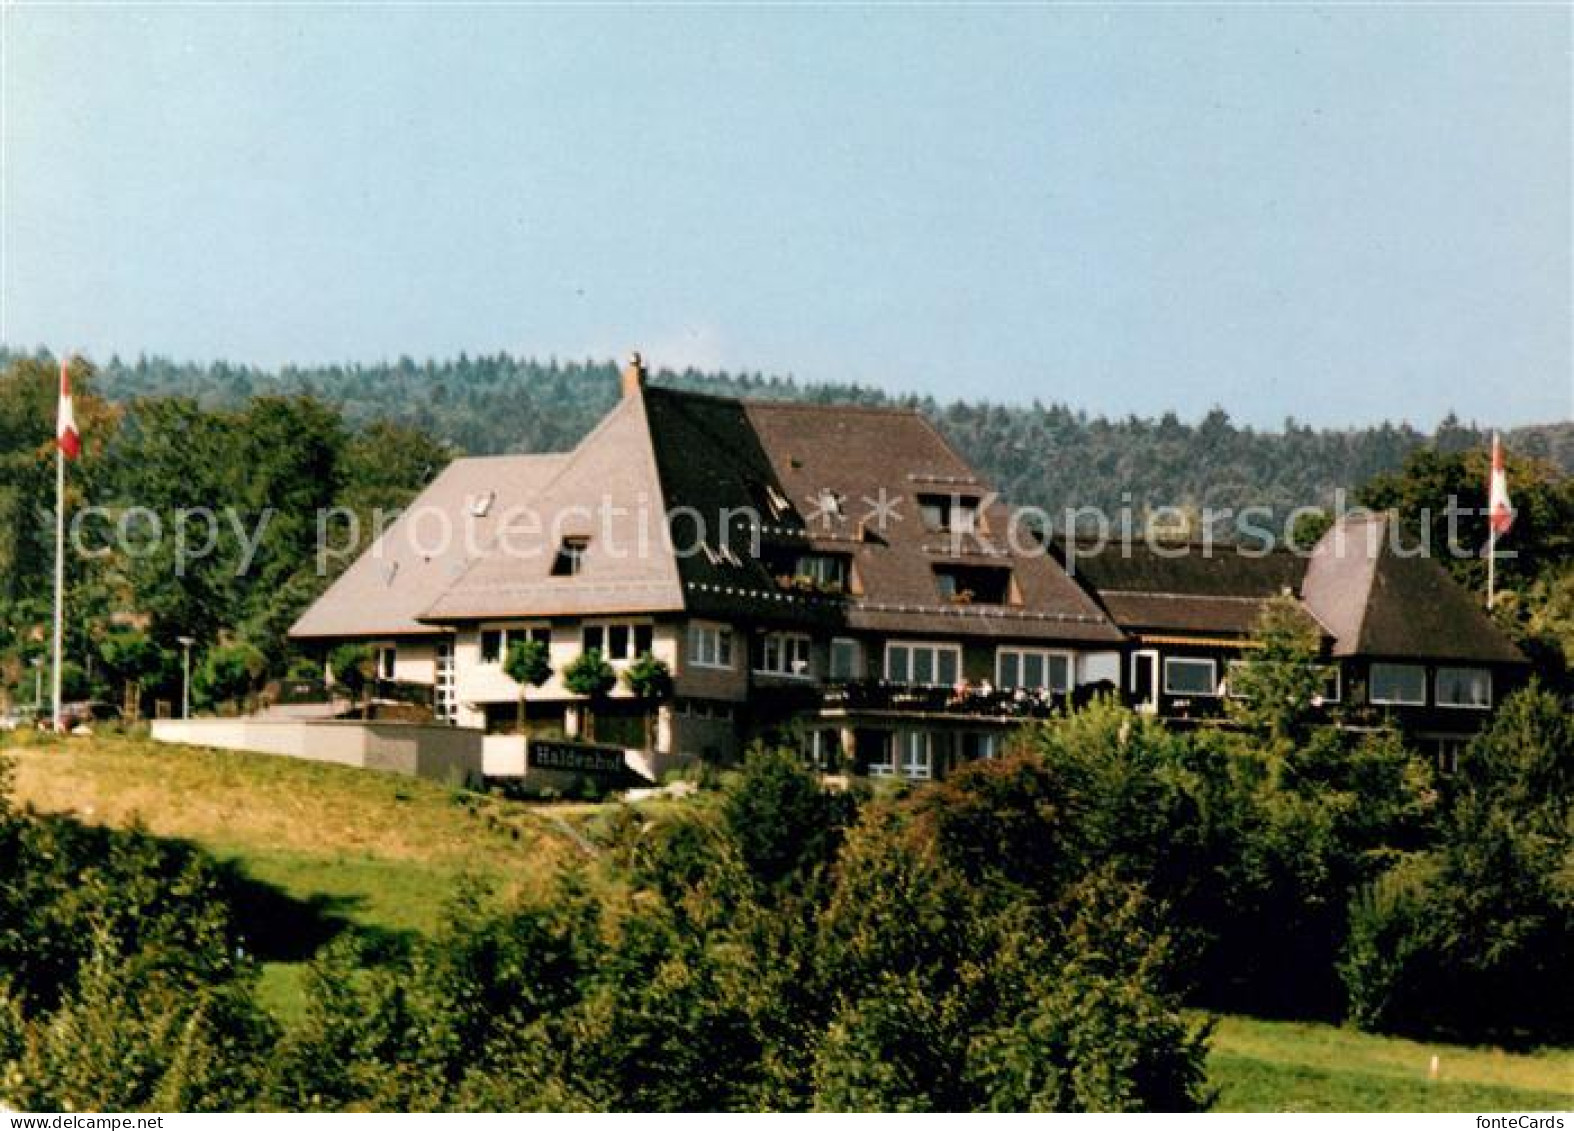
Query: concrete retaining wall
[{"x": 441, "y": 753}]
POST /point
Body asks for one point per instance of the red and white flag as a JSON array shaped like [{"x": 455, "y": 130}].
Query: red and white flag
[
  {"x": 1500, "y": 512},
  {"x": 66, "y": 434}
]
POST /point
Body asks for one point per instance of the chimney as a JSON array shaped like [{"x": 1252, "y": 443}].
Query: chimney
[{"x": 633, "y": 374}]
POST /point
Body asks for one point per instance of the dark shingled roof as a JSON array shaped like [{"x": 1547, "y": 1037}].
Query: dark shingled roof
[
  {"x": 1380, "y": 602},
  {"x": 868, "y": 456},
  {"x": 1186, "y": 588}
]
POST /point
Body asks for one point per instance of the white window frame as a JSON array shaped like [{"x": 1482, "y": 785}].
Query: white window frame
[
  {"x": 1371, "y": 686},
  {"x": 508, "y": 635},
  {"x": 388, "y": 662},
  {"x": 1437, "y": 677},
  {"x": 719, "y": 638},
  {"x": 1045, "y": 654},
  {"x": 606, "y": 626},
  {"x": 816, "y": 564},
  {"x": 913, "y": 742},
  {"x": 1178, "y": 661},
  {"x": 786, "y": 643},
  {"x": 1335, "y": 680},
  {"x": 912, "y": 646},
  {"x": 886, "y": 768},
  {"x": 860, "y": 668}
]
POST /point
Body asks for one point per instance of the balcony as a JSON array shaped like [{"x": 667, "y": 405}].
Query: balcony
[{"x": 967, "y": 700}]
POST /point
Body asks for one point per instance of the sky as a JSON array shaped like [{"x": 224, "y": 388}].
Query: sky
[{"x": 1336, "y": 213}]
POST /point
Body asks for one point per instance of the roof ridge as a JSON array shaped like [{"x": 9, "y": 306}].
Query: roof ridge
[
  {"x": 833, "y": 406},
  {"x": 500, "y": 456}
]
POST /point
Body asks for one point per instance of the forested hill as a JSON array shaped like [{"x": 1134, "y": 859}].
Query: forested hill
[{"x": 1047, "y": 455}]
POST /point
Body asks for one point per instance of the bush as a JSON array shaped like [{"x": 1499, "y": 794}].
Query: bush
[
  {"x": 1473, "y": 940},
  {"x": 229, "y": 673}
]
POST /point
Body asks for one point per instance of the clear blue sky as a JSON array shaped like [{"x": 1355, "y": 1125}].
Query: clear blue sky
[{"x": 1340, "y": 213}]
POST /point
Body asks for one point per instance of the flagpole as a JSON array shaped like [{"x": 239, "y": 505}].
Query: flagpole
[
  {"x": 60, "y": 574},
  {"x": 1491, "y": 569}
]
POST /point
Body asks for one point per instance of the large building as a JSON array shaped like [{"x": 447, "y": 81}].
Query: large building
[{"x": 842, "y": 575}]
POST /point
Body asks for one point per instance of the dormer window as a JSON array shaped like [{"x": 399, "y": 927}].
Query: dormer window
[
  {"x": 570, "y": 560},
  {"x": 948, "y": 514},
  {"x": 827, "y": 573},
  {"x": 976, "y": 585}
]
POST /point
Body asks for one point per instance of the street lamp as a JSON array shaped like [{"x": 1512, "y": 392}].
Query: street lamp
[{"x": 185, "y": 643}]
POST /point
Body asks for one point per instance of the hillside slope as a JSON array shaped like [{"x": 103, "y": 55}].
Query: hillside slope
[
  {"x": 1052, "y": 456},
  {"x": 381, "y": 854}
]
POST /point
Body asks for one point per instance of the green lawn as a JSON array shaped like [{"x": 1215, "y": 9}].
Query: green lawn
[
  {"x": 1287, "y": 1066},
  {"x": 338, "y": 849}
]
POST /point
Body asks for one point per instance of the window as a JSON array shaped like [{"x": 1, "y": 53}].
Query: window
[
  {"x": 917, "y": 755},
  {"x": 784, "y": 653},
  {"x": 387, "y": 661},
  {"x": 1401, "y": 684},
  {"x": 710, "y": 646},
  {"x": 882, "y": 760},
  {"x": 846, "y": 659},
  {"x": 1327, "y": 692},
  {"x": 931, "y": 664},
  {"x": 1033, "y": 668},
  {"x": 1185, "y": 675},
  {"x": 946, "y": 514},
  {"x": 980, "y": 585},
  {"x": 570, "y": 560},
  {"x": 827, "y": 572},
  {"x": 491, "y": 645},
  {"x": 617, "y": 641},
  {"x": 1332, "y": 687},
  {"x": 825, "y": 748},
  {"x": 1464, "y": 687},
  {"x": 981, "y": 746}
]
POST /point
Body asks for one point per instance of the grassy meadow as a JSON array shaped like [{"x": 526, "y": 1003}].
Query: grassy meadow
[{"x": 330, "y": 849}]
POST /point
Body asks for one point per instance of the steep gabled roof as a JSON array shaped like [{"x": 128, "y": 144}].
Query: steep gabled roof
[
  {"x": 724, "y": 494},
  {"x": 608, "y": 492},
  {"x": 426, "y": 549},
  {"x": 1382, "y": 598}
]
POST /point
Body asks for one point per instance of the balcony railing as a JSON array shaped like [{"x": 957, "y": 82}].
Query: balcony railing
[{"x": 968, "y": 699}]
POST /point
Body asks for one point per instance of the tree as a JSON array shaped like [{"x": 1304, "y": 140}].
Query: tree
[
  {"x": 650, "y": 681},
  {"x": 782, "y": 819},
  {"x": 351, "y": 665},
  {"x": 1474, "y": 939},
  {"x": 528, "y": 664},
  {"x": 231, "y": 672},
  {"x": 135, "y": 660},
  {"x": 591, "y": 676},
  {"x": 1279, "y": 689}
]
